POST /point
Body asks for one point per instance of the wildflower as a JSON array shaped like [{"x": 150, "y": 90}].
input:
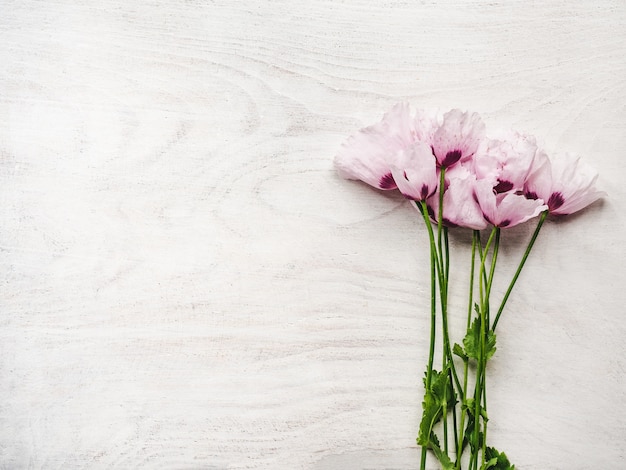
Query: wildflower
[{"x": 565, "y": 182}]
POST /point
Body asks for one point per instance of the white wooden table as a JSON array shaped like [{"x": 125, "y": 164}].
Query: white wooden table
[{"x": 186, "y": 284}]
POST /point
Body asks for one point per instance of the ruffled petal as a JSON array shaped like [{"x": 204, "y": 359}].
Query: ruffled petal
[
  {"x": 426, "y": 123},
  {"x": 574, "y": 182},
  {"x": 539, "y": 180},
  {"x": 415, "y": 172},
  {"x": 565, "y": 182},
  {"x": 458, "y": 137},
  {"x": 506, "y": 210},
  {"x": 506, "y": 160},
  {"x": 460, "y": 208},
  {"x": 365, "y": 155},
  {"x": 514, "y": 209}
]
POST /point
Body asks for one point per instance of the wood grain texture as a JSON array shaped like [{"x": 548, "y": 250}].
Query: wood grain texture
[{"x": 185, "y": 283}]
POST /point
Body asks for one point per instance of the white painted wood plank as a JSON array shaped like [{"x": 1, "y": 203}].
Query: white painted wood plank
[{"x": 185, "y": 282}]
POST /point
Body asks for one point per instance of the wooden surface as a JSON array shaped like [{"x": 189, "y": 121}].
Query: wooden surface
[{"x": 186, "y": 284}]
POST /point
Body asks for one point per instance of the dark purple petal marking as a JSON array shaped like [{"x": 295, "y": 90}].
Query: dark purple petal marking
[
  {"x": 424, "y": 193},
  {"x": 503, "y": 187},
  {"x": 531, "y": 195},
  {"x": 451, "y": 158},
  {"x": 556, "y": 200},
  {"x": 504, "y": 223},
  {"x": 387, "y": 182}
]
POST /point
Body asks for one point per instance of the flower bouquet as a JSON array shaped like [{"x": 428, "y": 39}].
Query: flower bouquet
[{"x": 458, "y": 176}]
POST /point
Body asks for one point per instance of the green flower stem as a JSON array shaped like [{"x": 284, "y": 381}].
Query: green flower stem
[
  {"x": 443, "y": 259},
  {"x": 440, "y": 265},
  {"x": 483, "y": 384},
  {"x": 444, "y": 419},
  {"x": 454, "y": 425},
  {"x": 480, "y": 256},
  {"x": 433, "y": 291},
  {"x": 483, "y": 274},
  {"x": 542, "y": 219},
  {"x": 470, "y": 306},
  {"x": 442, "y": 233},
  {"x": 433, "y": 309},
  {"x": 475, "y": 241},
  {"x": 446, "y": 342},
  {"x": 446, "y": 246},
  {"x": 444, "y": 270},
  {"x": 484, "y": 329},
  {"x": 451, "y": 370},
  {"x": 423, "y": 458},
  {"x": 442, "y": 182},
  {"x": 443, "y": 286},
  {"x": 494, "y": 257},
  {"x": 484, "y": 288}
]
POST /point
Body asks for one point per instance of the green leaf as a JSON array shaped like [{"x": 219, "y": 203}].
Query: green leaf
[
  {"x": 496, "y": 460},
  {"x": 490, "y": 344},
  {"x": 470, "y": 406},
  {"x": 438, "y": 384},
  {"x": 435, "y": 398},
  {"x": 458, "y": 350},
  {"x": 472, "y": 341},
  {"x": 470, "y": 437},
  {"x": 431, "y": 414},
  {"x": 489, "y": 464},
  {"x": 444, "y": 460},
  {"x": 432, "y": 407}
]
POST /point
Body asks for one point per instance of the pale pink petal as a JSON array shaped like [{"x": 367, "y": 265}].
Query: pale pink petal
[
  {"x": 365, "y": 155},
  {"x": 506, "y": 160},
  {"x": 514, "y": 209},
  {"x": 539, "y": 180},
  {"x": 425, "y": 124},
  {"x": 485, "y": 196},
  {"x": 460, "y": 208},
  {"x": 399, "y": 127},
  {"x": 565, "y": 182},
  {"x": 415, "y": 171},
  {"x": 458, "y": 137},
  {"x": 485, "y": 165},
  {"x": 505, "y": 210}
]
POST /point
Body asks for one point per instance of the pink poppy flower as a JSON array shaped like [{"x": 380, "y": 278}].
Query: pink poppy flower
[
  {"x": 505, "y": 160},
  {"x": 415, "y": 171},
  {"x": 460, "y": 208},
  {"x": 564, "y": 182},
  {"x": 457, "y": 138},
  {"x": 365, "y": 156},
  {"x": 505, "y": 209}
]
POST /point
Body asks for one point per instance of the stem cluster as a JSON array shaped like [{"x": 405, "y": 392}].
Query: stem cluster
[{"x": 454, "y": 420}]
